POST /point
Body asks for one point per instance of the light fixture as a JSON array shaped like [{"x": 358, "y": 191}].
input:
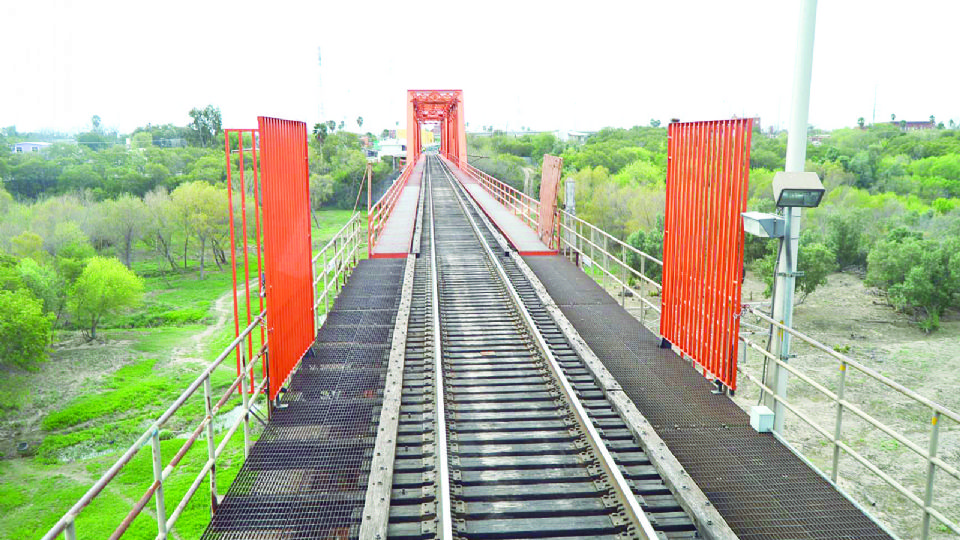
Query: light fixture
[{"x": 797, "y": 189}]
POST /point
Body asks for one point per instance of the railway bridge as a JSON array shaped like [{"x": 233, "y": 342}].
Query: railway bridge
[{"x": 478, "y": 363}]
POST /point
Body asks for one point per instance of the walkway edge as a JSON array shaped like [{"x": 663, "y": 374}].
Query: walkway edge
[
  {"x": 376, "y": 506},
  {"x": 708, "y": 520}
]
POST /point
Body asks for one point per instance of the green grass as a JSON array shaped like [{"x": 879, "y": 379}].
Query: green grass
[
  {"x": 14, "y": 392},
  {"x": 33, "y": 503},
  {"x": 130, "y": 387},
  {"x": 326, "y": 223},
  {"x": 85, "y": 434},
  {"x": 158, "y": 341}
]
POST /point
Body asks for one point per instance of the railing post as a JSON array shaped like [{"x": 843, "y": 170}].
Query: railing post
[
  {"x": 580, "y": 243},
  {"x": 316, "y": 313},
  {"x": 70, "y": 532},
  {"x": 323, "y": 274},
  {"x": 245, "y": 393},
  {"x": 336, "y": 263},
  {"x": 835, "y": 474},
  {"x": 158, "y": 479},
  {"x": 931, "y": 471},
  {"x": 624, "y": 275},
  {"x": 606, "y": 262},
  {"x": 643, "y": 282},
  {"x": 211, "y": 446},
  {"x": 593, "y": 253}
]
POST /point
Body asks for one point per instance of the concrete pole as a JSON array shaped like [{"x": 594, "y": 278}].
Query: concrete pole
[{"x": 796, "y": 159}]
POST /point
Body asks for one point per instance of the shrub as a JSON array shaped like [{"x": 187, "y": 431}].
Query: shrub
[{"x": 24, "y": 329}]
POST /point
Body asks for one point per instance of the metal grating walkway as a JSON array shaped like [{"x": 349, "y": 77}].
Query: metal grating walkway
[
  {"x": 759, "y": 486},
  {"x": 306, "y": 476}
]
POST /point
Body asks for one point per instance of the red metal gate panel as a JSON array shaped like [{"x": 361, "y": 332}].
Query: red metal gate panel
[
  {"x": 707, "y": 174},
  {"x": 549, "y": 182},
  {"x": 287, "y": 245}
]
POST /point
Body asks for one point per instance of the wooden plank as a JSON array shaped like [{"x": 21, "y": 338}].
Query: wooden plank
[{"x": 376, "y": 508}]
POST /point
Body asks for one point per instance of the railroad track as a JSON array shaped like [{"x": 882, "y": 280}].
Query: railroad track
[{"x": 504, "y": 432}]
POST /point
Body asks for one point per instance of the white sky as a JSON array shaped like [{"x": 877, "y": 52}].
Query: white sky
[{"x": 546, "y": 65}]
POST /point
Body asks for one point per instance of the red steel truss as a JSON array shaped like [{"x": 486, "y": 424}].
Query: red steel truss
[
  {"x": 445, "y": 107},
  {"x": 708, "y": 170}
]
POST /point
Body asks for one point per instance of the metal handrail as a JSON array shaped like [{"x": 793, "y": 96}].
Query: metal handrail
[
  {"x": 587, "y": 244},
  {"x": 523, "y": 206},
  {"x": 336, "y": 259},
  {"x": 938, "y": 413},
  {"x": 380, "y": 212},
  {"x": 339, "y": 255},
  {"x": 67, "y": 523}
]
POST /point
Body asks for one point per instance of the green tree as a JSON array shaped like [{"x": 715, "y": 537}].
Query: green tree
[
  {"x": 104, "y": 287},
  {"x": 24, "y": 329},
  {"x": 860, "y": 122},
  {"x": 28, "y": 244},
  {"x": 815, "y": 262},
  {"x": 127, "y": 216},
  {"x": 320, "y": 131},
  {"x": 206, "y": 124},
  {"x": 200, "y": 210},
  {"x": 920, "y": 276},
  {"x": 141, "y": 140},
  {"x": 845, "y": 237},
  {"x": 79, "y": 177},
  {"x": 42, "y": 282},
  {"x": 72, "y": 259},
  {"x": 359, "y": 122},
  {"x": 651, "y": 243}
]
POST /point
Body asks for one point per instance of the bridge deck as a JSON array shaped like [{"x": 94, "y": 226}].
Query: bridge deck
[
  {"x": 520, "y": 235},
  {"x": 397, "y": 234},
  {"x": 759, "y": 486},
  {"x": 306, "y": 476}
]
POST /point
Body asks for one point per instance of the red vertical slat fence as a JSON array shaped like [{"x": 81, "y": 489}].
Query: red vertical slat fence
[{"x": 708, "y": 172}]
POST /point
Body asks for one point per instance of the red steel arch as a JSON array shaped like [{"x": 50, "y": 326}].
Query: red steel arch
[{"x": 445, "y": 107}]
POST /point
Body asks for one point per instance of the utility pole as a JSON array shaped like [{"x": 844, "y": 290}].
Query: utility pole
[
  {"x": 786, "y": 277},
  {"x": 369, "y": 185}
]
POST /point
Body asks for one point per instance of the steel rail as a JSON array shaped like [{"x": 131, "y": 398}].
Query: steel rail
[
  {"x": 443, "y": 468},
  {"x": 631, "y": 506}
]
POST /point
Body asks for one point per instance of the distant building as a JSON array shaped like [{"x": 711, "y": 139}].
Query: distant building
[
  {"x": 29, "y": 147},
  {"x": 817, "y": 139},
  {"x": 392, "y": 148},
  {"x": 575, "y": 136},
  {"x": 914, "y": 126}
]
